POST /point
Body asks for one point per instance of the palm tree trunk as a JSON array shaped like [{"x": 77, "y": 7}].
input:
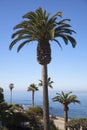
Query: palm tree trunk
[
  {"x": 11, "y": 97},
  {"x": 45, "y": 98},
  {"x": 65, "y": 118},
  {"x": 33, "y": 98}
]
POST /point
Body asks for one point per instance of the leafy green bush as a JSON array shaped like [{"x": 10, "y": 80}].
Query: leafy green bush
[
  {"x": 35, "y": 115},
  {"x": 73, "y": 124},
  {"x": 37, "y": 111},
  {"x": 3, "y": 128},
  {"x": 77, "y": 124},
  {"x": 16, "y": 120}
]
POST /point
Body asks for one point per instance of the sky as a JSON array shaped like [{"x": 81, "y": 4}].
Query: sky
[{"x": 68, "y": 67}]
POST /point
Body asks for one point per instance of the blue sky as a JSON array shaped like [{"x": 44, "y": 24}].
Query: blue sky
[{"x": 68, "y": 68}]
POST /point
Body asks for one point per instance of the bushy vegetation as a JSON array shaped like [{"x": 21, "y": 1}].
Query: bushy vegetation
[
  {"x": 77, "y": 124},
  {"x": 37, "y": 111},
  {"x": 3, "y": 107},
  {"x": 15, "y": 118},
  {"x": 35, "y": 115},
  {"x": 16, "y": 121},
  {"x": 3, "y": 128}
]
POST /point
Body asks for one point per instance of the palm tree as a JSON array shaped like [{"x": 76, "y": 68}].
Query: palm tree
[
  {"x": 66, "y": 99},
  {"x": 32, "y": 88},
  {"x": 11, "y": 86},
  {"x": 49, "y": 82},
  {"x": 39, "y": 26}
]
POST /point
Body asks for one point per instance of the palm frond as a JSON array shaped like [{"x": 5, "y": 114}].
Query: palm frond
[
  {"x": 16, "y": 40},
  {"x": 66, "y": 98},
  {"x": 40, "y": 83},
  {"x": 64, "y": 37},
  {"x": 21, "y": 25},
  {"x": 58, "y": 14},
  {"x": 39, "y": 26},
  {"x": 57, "y": 43},
  {"x": 32, "y": 87},
  {"x": 61, "y": 22},
  {"x": 72, "y": 40},
  {"x": 31, "y": 15},
  {"x": 20, "y": 32},
  {"x": 22, "y": 44},
  {"x": 40, "y": 13}
]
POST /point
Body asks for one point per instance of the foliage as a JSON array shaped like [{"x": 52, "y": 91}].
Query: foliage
[
  {"x": 15, "y": 108},
  {"x": 52, "y": 126},
  {"x": 32, "y": 87},
  {"x": 3, "y": 107},
  {"x": 35, "y": 111},
  {"x": 11, "y": 86},
  {"x": 16, "y": 120},
  {"x": 1, "y": 95},
  {"x": 35, "y": 117},
  {"x": 3, "y": 128},
  {"x": 40, "y": 21},
  {"x": 49, "y": 82},
  {"x": 66, "y": 98},
  {"x": 77, "y": 124},
  {"x": 3, "y": 111}
]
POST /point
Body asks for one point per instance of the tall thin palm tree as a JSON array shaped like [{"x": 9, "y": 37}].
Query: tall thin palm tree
[
  {"x": 66, "y": 99},
  {"x": 41, "y": 27},
  {"x": 32, "y": 88},
  {"x": 11, "y": 86},
  {"x": 49, "y": 82}
]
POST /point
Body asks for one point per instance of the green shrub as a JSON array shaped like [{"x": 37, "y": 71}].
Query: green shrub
[
  {"x": 35, "y": 111},
  {"x": 16, "y": 120},
  {"x": 35, "y": 115},
  {"x": 77, "y": 124},
  {"x": 3, "y": 128}
]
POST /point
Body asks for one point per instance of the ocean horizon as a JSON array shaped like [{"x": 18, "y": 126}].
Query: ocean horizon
[{"x": 24, "y": 98}]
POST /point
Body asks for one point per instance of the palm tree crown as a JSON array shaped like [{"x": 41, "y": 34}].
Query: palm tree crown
[
  {"x": 11, "y": 86},
  {"x": 39, "y": 26},
  {"x": 66, "y": 98},
  {"x": 49, "y": 82},
  {"x": 32, "y": 88}
]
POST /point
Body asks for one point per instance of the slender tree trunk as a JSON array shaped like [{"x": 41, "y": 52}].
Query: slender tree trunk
[
  {"x": 65, "y": 118},
  {"x": 45, "y": 98},
  {"x": 33, "y": 98},
  {"x": 11, "y": 98}
]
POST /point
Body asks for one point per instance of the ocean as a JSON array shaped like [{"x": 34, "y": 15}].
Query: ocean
[{"x": 24, "y": 98}]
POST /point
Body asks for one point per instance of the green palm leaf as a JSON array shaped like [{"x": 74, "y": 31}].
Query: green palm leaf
[
  {"x": 57, "y": 43},
  {"x": 72, "y": 40},
  {"x": 40, "y": 26},
  {"x": 22, "y": 44},
  {"x": 16, "y": 40}
]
